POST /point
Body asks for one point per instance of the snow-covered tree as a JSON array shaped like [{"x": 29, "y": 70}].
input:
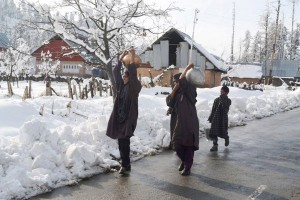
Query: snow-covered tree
[
  {"x": 246, "y": 47},
  {"x": 104, "y": 28},
  {"x": 256, "y": 48},
  {"x": 265, "y": 26},
  {"x": 296, "y": 49},
  {"x": 282, "y": 44},
  {"x": 48, "y": 65},
  {"x": 275, "y": 36},
  {"x": 291, "y": 47},
  {"x": 15, "y": 62}
]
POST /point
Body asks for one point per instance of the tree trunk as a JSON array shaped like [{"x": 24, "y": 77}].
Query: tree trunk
[
  {"x": 25, "y": 94},
  {"x": 75, "y": 91},
  {"x": 86, "y": 92},
  {"x": 29, "y": 90},
  {"x": 70, "y": 88},
  {"x": 80, "y": 92},
  {"x": 10, "y": 91},
  {"x": 100, "y": 88},
  {"x": 111, "y": 78},
  {"x": 91, "y": 89}
]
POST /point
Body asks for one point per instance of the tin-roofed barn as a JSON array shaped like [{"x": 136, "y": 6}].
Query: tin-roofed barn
[
  {"x": 173, "y": 48},
  {"x": 4, "y": 42},
  {"x": 287, "y": 70}
]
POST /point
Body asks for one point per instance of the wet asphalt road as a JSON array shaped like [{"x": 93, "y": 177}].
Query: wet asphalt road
[{"x": 261, "y": 162}]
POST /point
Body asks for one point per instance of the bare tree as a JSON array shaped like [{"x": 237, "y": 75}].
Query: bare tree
[
  {"x": 103, "y": 28},
  {"x": 265, "y": 24},
  {"x": 275, "y": 39}
]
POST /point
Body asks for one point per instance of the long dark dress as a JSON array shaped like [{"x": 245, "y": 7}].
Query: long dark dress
[
  {"x": 184, "y": 119},
  {"x": 219, "y": 117},
  {"x": 123, "y": 119}
]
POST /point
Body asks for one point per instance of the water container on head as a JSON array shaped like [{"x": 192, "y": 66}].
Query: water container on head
[
  {"x": 196, "y": 77},
  {"x": 126, "y": 60}
]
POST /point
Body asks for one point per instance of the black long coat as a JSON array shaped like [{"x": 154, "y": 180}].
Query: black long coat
[
  {"x": 219, "y": 117},
  {"x": 123, "y": 119},
  {"x": 184, "y": 119}
]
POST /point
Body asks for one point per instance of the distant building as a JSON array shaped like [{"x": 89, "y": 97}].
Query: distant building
[
  {"x": 74, "y": 60},
  {"x": 283, "y": 68},
  {"x": 4, "y": 42},
  {"x": 173, "y": 48},
  {"x": 244, "y": 73}
]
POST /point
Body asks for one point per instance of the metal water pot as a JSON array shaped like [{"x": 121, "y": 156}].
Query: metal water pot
[
  {"x": 126, "y": 60},
  {"x": 196, "y": 77}
]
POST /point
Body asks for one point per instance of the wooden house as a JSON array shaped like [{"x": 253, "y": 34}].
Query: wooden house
[
  {"x": 74, "y": 60},
  {"x": 173, "y": 49}
]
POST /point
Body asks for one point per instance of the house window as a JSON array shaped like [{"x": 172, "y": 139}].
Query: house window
[{"x": 71, "y": 68}]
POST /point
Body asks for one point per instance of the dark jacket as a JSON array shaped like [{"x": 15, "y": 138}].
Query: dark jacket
[
  {"x": 184, "y": 119},
  {"x": 219, "y": 117},
  {"x": 123, "y": 119}
]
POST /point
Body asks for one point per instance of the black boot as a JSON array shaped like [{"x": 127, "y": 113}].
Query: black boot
[
  {"x": 186, "y": 172},
  {"x": 125, "y": 170},
  {"x": 181, "y": 167},
  {"x": 214, "y": 148},
  {"x": 226, "y": 142}
]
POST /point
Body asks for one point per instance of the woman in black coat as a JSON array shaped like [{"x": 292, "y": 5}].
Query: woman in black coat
[
  {"x": 184, "y": 121},
  {"x": 219, "y": 118},
  {"x": 123, "y": 119}
]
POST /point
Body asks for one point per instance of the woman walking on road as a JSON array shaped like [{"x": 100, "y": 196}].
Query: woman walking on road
[
  {"x": 123, "y": 119},
  {"x": 185, "y": 129},
  {"x": 219, "y": 119}
]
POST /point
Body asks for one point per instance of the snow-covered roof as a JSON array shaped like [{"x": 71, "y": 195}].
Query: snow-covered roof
[
  {"x": 245, "y": 71},
  {"x": 219, "y": 64},
  {"x": 4, "y": 42},
  {"x": 84, "y": 53}
]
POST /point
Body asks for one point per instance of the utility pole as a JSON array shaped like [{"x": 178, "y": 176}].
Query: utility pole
[
  {"x": 194, "y": 23},
  {"x": 232, "y": 40},
  {"x": 292, "y": 32},
  {"x": 275, "y": 40}
]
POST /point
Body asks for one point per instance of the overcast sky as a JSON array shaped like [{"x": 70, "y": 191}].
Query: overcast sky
[{"x": 214, "y": 27}]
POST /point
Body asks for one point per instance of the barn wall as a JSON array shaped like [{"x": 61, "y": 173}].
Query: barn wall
[{"x": 212, "y": 78}]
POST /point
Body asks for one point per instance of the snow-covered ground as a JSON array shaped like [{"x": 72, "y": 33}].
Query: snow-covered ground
[{"x": 42, "y": 152}]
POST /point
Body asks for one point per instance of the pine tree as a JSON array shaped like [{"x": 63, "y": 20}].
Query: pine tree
[
  {"x": 282, "y": 44},
  {"x": 256, "y": 48},
  {"x": 246, "y": 47},
  {"x": 296, "y": 49}
]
